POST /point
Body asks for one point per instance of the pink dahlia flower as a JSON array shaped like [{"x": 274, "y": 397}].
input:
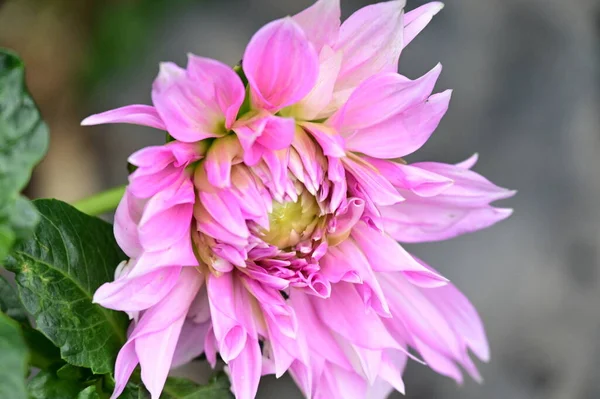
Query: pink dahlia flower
[{"x": 267, "y": 230}]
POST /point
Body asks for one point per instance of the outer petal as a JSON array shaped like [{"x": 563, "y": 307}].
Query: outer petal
[
  {"x": 371, "y": 182},
  {"x": 371, "y": 40},
  {"x": 138, "y": 293},
  {"x": 409, "y": 177},
  {"x": 281, "y": 65},
  {"x": 189, "y": 108},
  {"x": 404, "y": 133},
  {"x": 416, "y": 20},
  {"x": 246, "y": 370},
  {"x": 228, "y": 89},
  {"x": 127, "y": 218},
  {"x": 320, "y": 22},
  {"x": 219, "y": 160},
  {"x": 330, "y": 141},
  {"x": 144, "y": 115}
]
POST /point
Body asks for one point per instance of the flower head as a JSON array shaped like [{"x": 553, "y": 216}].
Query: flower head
[{"x": 267, "y": 230}]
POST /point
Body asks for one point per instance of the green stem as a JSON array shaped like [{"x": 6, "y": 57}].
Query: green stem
[{"x": 100, "y": 203}]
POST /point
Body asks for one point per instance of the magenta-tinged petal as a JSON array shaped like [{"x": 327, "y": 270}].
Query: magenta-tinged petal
[
  {"x": 188, "y": 107},
  {"x": 469, "y": 188},
  {"x": 191, "y": 342},
  {"x": 416, "y": 20},
  {"x": 219, "y": 160},
  {"x": 392, "y": 367},
  {"x": 226, "y": 213},
  {"x": 371, "y": 40},
  {"x": 405, "y": 133},
  {"x": 386, "y": 255},
  {"x": 320, "y": 22},
  {"x": 167, "y": 217},
  {"x": 246, "y": 370},
  {"x": 420, "y": 181},
  {"x": 138, "y": 293},
  {"x": 278, "y": 133},
  {"x": 328, "y": 138},
  {"x": 342, "y": 313},
  {"x": 316, "y": 104},
  {"x": 228, "y": 89},
  {"x": 144, "y": 115},
  {"x": 469, "y": 162},
  {"x": 127, "y": 361},
  {"x": 372, "y": 183},
  {"x": 381, "y": 98},
  {"x": 417, "y": 221},
  {"x": 127, "y": 218},
  {"x": 281, "y": 65}
]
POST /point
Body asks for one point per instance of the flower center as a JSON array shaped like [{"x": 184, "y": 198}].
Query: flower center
[{"x": 292, "y": 222}]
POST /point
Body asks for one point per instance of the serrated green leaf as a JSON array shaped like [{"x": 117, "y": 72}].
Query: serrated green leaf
[
  {"x": 57, "y": 271},
  {"x": 14, "y": 359},
  {"x": 182, "y": 388},
  {"x": 23, "y": 143},
  {"x": 47, "y": 385}
]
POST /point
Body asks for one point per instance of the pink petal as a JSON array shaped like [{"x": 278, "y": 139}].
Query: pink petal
[
  {"x": 404, "y": 133},
  {"x": 410, "y": 177},
  {"x": 138, "y": 293},
  {"x": 190, "y": 110},
  {"x": 191, "y": 342},
  {"x": 219, "y": 160},
  {"x": 320, "y": 22},
  {"x": 422, "y": 221},
  {"x": 281, "y": 65},
  {"x": 227, "y": 87},
  {"x": 372, "y": 183},
  {"x": 127, "y": 218},
  {"x": 316, "y": 104},
  {"x": 416, "y": 20},
  {"x": 127, "y": 361},
  {"x": 330, "y": 140},
  {"x": 144, "y": 115},
  {"x": 345, "y": 313},
  {"x": 246, "y": 370},
  {"x": 371, "y": 40},
  {"x": 469, "y": 162},
  {"x": 167, "y": 216},
  {"x": 386, "y": 255}
]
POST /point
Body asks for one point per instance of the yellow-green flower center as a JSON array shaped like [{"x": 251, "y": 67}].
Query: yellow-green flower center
[{"x": 292, "y": 222}]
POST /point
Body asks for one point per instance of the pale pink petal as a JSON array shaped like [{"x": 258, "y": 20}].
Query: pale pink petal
[
  {"x": 167, "y": 217},
  {"x": 372, "y": 183},
  {"x": 404, "y": 133},
  {"x": 138, "y": 293},
  {"x": 386, "y": 255},
  {"x": 371, "y": 40},
  {"x": 189, "y": 109},
  {"x": 416, "y": 20},
  {"x": 315, "y": 104},
  {"x": 340, "y": 227},
  {"x": 144, "y": 115},
  {"x": 381, "y": 98},
  {"x": 127, "y": 218},
  {"x": 127, "y": 361},
  {"x": 328, "y": 138},
  {"x": 219, "y": 160},
  {"x": 469, "y": 162},
  {"x": 246, "y": 370},
  {"x": 227, "y": 87},
  {"x": 416, "y": 221},
  {"x": 420, "y": 181},
  {"x": 281, "y": 65},
  {"x": 320, "y": 22},
  {"x": 345, "y": 313},
  {"x": 191, "y": 342}
]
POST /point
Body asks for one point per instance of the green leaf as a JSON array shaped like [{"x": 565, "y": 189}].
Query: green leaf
[
  {"x": 89, "y": 393},
  {"x": 23, "y": 143},
  {"x": 42, "y": 352},
  {"x": 10, "y": 304},
  {"x": 14, "y": 359},
  {"x": 181, "y": 388},
  {"x": 73, "y": 373},
  {"x": 47, "y": 385},
  {"x": 57, "y": 271}
]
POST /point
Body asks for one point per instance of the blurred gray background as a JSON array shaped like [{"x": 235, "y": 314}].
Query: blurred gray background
[{"x": 526, "y": 79}]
